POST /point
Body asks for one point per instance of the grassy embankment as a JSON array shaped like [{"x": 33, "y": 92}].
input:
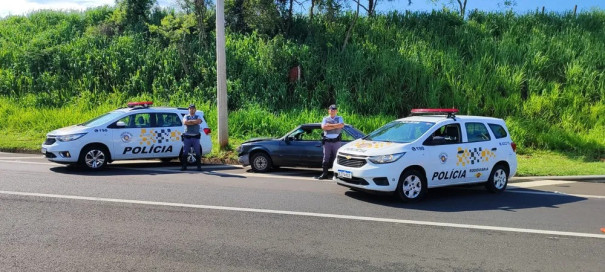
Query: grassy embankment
[{"x": 543, "y": 74}]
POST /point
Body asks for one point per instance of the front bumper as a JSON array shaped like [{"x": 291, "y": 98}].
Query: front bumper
[
  {"x": 61, "y": 153},
  {"x": 244, "y": 159},
  {"x": 370, "y": 177}
]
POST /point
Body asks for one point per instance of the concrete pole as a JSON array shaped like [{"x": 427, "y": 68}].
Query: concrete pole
[{"x": 221, "y": 75}]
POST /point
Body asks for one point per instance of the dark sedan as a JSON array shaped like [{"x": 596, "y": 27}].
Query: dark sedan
[{"x": 299, "y": 147}]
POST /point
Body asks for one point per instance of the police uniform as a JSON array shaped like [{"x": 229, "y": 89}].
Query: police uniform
[
  {"x": 331, "y": 142},
  {"x": 191, "y": 138}
]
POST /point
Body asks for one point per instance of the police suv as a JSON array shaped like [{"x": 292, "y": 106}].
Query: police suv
[
  {"x": 412, "y": 154},
  {"x": 136, "y": 132}
]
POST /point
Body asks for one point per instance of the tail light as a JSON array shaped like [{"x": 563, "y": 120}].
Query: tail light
[
  {"x": 514, "y": 146},
  {"x": 207, "y": 131}
]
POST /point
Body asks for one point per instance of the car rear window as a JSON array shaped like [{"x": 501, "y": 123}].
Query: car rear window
[{"x": 498, "y": 131}]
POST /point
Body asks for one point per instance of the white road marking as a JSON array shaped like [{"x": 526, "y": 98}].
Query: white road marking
[
  {"x": 321, "y": 215},
  {"x": 22, "y": 158},
  {"x": 555, "y": 193},
  {"x": 28, "y": 162},
  {"x": 545, "y": 182}
]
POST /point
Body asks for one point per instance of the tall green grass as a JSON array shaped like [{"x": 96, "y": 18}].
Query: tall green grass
[{"x": 544, "y": 74}]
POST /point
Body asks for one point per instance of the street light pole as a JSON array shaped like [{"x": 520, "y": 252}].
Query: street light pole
[{"x": 221, "y": 75}]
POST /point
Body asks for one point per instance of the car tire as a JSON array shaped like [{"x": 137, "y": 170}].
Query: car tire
[
  {"x": 261, "y": 162},
  {"x": 412, "y": 186},
  {"x": 94, "y": 157},
  {"x": 498, "y": 179}
]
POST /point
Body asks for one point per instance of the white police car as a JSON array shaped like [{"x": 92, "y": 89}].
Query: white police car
[
  {"x": 410, "y": 155},
  {"x": 136, "y": 132}
]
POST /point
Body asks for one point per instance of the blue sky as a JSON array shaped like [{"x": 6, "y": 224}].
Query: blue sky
[{"x": 20, "y": 7}]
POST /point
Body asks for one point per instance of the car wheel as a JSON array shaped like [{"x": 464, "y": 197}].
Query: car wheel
[
  {"x": 94, "y": 157},
  {"x": 498, "y": 180},
  {"x": 191, "y": 159},
  {"x": 261, "y": 162},
  {"x": 412, "y": 186}
]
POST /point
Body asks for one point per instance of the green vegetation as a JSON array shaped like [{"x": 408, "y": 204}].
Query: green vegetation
[
  {"x": 548, "y": 163},
  {"x": 543, "y": 74}
]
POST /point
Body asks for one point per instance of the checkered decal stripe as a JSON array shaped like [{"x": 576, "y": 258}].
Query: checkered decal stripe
[
  {"x": 473, "y": 156},
  {"x": 158, "y": 136}
]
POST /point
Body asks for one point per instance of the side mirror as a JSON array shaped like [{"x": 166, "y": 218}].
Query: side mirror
[
  {"x": 120, "y": 124},
  {"x": 289, "y": 139}
]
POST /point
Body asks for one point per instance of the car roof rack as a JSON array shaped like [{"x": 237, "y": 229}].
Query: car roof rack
[{"x": 451, "y": 113}]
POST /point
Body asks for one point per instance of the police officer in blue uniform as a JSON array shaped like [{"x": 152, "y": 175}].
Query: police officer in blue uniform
[
  {"x": 191, "y": 138},
  {"x": 332, "y": 126}
]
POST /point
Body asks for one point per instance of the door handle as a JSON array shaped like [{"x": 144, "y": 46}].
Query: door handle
[
  {"x": 460, "y": 151},
  {"x": 494, "y": 149}
]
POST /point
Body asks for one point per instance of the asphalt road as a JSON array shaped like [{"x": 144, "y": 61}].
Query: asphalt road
[{"x": 141, "y": 216}]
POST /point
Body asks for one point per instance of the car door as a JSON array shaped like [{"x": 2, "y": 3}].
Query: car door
[
  {"x": 131, "y": 136},
  {"x": 441, "y": 156},
  {"x": 479, "y": 152},
  {"x": 165, "y": 134},
  {"x": 301, "y": 147}
]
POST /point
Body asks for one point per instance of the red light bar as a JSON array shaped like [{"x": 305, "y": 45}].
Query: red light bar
[
  {"x": 144, "y": 104},
  {"x": 434, "y": 110}
]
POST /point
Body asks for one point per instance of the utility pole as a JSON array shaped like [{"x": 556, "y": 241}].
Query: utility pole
[{"x": 221, "y": 75}]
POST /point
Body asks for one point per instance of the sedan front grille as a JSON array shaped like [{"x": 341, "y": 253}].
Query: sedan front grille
[
  {"x": 50, "y": 140},
  {"x": 351, "y": 162}
]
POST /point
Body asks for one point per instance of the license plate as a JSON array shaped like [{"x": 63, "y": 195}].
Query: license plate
[
  {"x": 43, "y": 150},
  {"x": 345, "y": 174}
]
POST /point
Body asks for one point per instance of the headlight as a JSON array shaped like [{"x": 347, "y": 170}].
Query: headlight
[
  {"x": 70, "y": 137},
  {"x": 386, "y": 158}
]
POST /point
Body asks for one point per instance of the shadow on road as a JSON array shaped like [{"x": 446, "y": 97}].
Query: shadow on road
[
  {"x": 150, "y": 168},
  {"x": 460, "y": 199}
]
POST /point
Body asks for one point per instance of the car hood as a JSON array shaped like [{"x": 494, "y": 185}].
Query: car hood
[
  {"x": 259, "y": 140},
  {"x": 372, "y": 148},
  {"x": 69, "y": 130}
]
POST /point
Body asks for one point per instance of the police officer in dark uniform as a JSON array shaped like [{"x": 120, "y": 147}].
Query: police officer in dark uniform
[
  {"x": 332, "y": 126},
  {"x": 191, "y": 138}
]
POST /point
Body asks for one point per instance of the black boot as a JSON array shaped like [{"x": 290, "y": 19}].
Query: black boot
[
  {"x": 183, "y": 163},
  {"x": 324, "y": 174},
  {"x": 199, "y": 162}
]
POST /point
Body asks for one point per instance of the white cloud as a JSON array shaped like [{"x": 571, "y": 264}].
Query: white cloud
[{"x": 22, "y": 7}]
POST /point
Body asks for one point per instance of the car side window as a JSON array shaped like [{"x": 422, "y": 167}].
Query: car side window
[
  {"x": 312, "y": 135},
  {"x": 129, "y": 121},
  {"x": 498, "y": 131},
  {"x": 448, "y": 134},
  {"x": 168, "y": 120},
  {"x": 476, "y": 132}
]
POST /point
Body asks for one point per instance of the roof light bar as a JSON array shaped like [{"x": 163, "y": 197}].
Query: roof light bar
[
  {"x": 436, "y": 111},
  {"x": 144, "y": 104}
]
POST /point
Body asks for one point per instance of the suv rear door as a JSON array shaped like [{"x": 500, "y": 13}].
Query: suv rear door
[{"x": 479, "y": 151}]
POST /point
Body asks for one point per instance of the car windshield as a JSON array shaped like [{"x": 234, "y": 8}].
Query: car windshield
[
  {"x": 354, "y": 132},
  {"x": 399, "y": 132},
  {"x": 99, "y": 120}
]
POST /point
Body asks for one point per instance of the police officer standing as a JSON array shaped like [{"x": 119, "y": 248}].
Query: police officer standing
[
  {"x": 191, "y": 138},
  {"x": 332, "y": 126}
]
